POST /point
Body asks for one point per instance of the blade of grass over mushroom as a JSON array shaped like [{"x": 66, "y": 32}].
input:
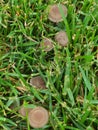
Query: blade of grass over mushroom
[
  {"x": 54, "y": 13},
  {"x": 86, "y": 80},
  {"x": 28, "y": 125},
  {"x": 65, "y": 22}
]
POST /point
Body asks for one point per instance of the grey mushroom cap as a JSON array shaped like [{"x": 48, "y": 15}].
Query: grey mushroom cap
[
  {"x": 38, "y": 82},
  {"x": 46, "y": 44},
  {"x": 62, "y": 38},
  {"x": 54, "y": 13},
  {"x": 24, "y": 111},
  {"x": 38, "y": 117}
]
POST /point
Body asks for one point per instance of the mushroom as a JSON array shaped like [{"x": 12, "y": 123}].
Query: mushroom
[
  {"x": 54, "y": 13},
  {"x": 37, "y": 82},
  {"x": 47, "y": 44},
  {"x": 14, "y": 105},
  {"x": 23, "y": 111},
  {"x": 62, "y": 38},
  {"x": 38, "y": 117}
]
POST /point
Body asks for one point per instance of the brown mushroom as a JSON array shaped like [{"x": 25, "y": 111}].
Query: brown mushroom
[
  {"x": 37, "y": 82},
  {"x": 46, "y": 44},
  {"x": 54, "y": 13},
  {"x": 38, "y": 117},
  {"x": 62, "y": 38},
  {"x": 24, "y": 111}
]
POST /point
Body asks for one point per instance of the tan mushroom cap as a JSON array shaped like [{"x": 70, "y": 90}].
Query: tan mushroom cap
[
  {"x": 47, "y": 44},
  {"x": 38, "y": 117},
  {"x": 37, "y": 82},
  {"x": 62, "y": 38},
  {"x": 54, "y": 13},
  {"x": 24, "y": 111}
]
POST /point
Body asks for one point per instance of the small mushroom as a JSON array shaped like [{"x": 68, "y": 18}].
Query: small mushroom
[
  {"x": 54, "y": 13},
  {"x": 14, "y": 105},
  {"x": 38, "y": 82},
  {"x": 23, "y": 111},
  {"x": 62, "y": 38},
  {"x": 46, "y": 44},
  {"x": 38, "y": 117}
]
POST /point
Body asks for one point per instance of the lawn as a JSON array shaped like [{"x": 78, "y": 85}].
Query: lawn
[{"x": 69, "y": 72}]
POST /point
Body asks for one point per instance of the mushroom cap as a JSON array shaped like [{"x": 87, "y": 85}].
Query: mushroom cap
[
  {"x": 47, "y": 44},
  {"x": 54, "y": 13},
  {"x": 23, "y": 111},
  {"x": 38, "y": 117},
  {"x": 62, "y": 38},
  {"x": 37, "y": 82}
]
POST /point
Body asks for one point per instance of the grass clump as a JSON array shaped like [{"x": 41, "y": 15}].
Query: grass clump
[{"x": 70, "y": 73}]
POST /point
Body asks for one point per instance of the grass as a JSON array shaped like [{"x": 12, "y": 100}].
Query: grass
[{"x": 70, "y": 73}]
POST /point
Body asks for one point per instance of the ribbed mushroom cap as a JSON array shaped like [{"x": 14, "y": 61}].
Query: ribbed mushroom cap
[
  {"x": 23, "y": 111},
  {"x": 54, "y": 13},
  {"x": 38, "y": 117},
  {"x": 46, "y": 44},
  {"x": 62, "y": 38},
  {"x": 37, "y": 82}
]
